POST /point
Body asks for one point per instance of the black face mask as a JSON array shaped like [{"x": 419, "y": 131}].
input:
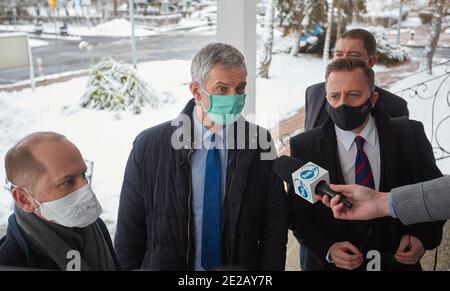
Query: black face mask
[{"x": 347, "y": 117}]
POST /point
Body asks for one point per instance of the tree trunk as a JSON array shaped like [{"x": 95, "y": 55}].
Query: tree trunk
[
  {"x": 326, "y": 48},
  {"x": 296, "y": 44},
  {"x": 299, "y": 31},
  {"x": 266, "y": 56},
  {"x": 116, "y": 8},
  {"x": 339, "y": 19},
  {"x": 435, "y": 34},
  {"x": 446, "y": 6}
]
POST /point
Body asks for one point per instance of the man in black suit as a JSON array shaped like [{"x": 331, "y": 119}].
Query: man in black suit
[
  {"x": 360, "y": 144},
  {"x": 356, "y": 43}
]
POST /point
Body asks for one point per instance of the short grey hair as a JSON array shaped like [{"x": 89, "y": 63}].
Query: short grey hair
[{"x": 215, "y": 54}]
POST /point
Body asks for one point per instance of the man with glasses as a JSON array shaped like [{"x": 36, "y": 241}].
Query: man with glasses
[{"x": 356, "y": 43}]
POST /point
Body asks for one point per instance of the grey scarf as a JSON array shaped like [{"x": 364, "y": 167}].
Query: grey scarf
[{"x": 55, "y": 241}]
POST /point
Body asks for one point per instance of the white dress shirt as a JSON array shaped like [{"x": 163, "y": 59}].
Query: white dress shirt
[
  {"x": 347, "y": 154},
  {"x": 347, "y": 151}
]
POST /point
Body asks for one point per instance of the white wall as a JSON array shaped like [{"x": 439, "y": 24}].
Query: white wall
[{"x": 236, "y": 25}]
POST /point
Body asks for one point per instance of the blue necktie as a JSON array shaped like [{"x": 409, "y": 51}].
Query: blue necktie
[
  {"x": 363, "y": 171},
  {"x": 211, "y": 226}
]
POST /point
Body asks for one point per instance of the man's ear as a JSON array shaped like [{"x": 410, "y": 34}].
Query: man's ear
[
  {"x": 195, "y": 90},
  {"x": 372, "y": 61},
  {"x": 374, "y": 98},
  {"x": 23, "y": 200}
]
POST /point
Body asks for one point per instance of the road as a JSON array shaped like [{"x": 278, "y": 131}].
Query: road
[{"x": 62, "y": 55}]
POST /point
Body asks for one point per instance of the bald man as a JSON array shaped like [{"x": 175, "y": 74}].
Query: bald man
[{"x": 56, "y": 222}]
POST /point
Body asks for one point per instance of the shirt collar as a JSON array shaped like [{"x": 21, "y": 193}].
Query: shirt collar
[
  {"x": 202, "y": 134},
  {"x": 347, "y": 137}
]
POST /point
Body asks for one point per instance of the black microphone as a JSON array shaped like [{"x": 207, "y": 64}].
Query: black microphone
[{"x": 307, "y": 179}]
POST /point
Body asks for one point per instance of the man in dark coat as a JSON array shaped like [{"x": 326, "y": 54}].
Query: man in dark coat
[
  {"x": 360, "y": 144},
  {"x": 199, "y": 192}
]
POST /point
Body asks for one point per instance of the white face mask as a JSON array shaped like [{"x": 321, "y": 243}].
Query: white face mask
[{"x": 77, "y": 209}]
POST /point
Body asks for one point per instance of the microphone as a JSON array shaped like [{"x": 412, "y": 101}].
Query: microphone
[{"x": 307, "y": 179}]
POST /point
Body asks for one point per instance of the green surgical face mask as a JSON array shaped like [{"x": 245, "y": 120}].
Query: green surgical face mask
[{"x": 224, "y": 109}]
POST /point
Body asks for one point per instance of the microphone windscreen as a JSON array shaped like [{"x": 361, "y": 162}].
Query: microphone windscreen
[{"x": 284, "y": 166}]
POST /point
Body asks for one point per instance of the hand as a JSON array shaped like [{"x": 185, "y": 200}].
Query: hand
[
  {"x": 367, "y": 203},
  {"x": 409, "y": 251},
  {"x": 346, "y": 256}
]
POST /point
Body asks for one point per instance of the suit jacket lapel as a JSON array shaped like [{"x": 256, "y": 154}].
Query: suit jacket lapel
[
  {"x": 389, "y": 175},
  {"x": 328, "y": 159},
  {"x": 328, "y": 154}
]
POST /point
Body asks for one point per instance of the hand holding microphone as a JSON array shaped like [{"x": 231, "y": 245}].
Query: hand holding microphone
[
  {"x": 367, "y": 203},
  {"x": 307, "y": 179}
]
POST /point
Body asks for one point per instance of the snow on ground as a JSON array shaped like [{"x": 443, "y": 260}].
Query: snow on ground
[
  {"x": 203, "y": 30},
  {"x": 37, "y": 42},
  {"x": 412, "y": 22},
  {"x": 18, "y": 28},
  {"x": 184, "y": 24},
  {"x": 284, "y": 92},
  {"x": 115, "y": 28},
  {"x": 48, "y": 31}
]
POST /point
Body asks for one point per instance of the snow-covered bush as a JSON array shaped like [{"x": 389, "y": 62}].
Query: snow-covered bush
[
  {"x": 426, "y": 16},
  {"x": 388, "y": 53},
  {"x": 116, "y": 86}
]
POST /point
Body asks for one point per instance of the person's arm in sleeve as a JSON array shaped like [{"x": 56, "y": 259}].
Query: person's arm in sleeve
[
  {"x": 421, "y": 202},
  {"x": 130, "y": 237},
  {"x": 428, "y": 201},
  {"x": 430, "y": 233},
  {"x": 273, "y": 252}
]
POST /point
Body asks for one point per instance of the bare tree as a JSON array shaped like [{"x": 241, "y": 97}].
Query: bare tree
[
  {"x": 305, "y": 8},
  {"x": 326, "y": 47},
  {"x": 436, "y": 28},
  {"x": 338, "y": 18},
  {"x": 116, "y": 8},
  {"x": 266, "y": 52},
  {"x": 295, "y": 16}
]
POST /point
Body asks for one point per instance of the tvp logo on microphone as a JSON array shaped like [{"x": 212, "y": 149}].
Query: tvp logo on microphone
[
  {"x": 306, "y": 179},
  {"x": 309, "y": 172}
]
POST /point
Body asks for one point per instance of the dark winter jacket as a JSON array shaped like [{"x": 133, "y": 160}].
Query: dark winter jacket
[{"x": 155, "y": 227}]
